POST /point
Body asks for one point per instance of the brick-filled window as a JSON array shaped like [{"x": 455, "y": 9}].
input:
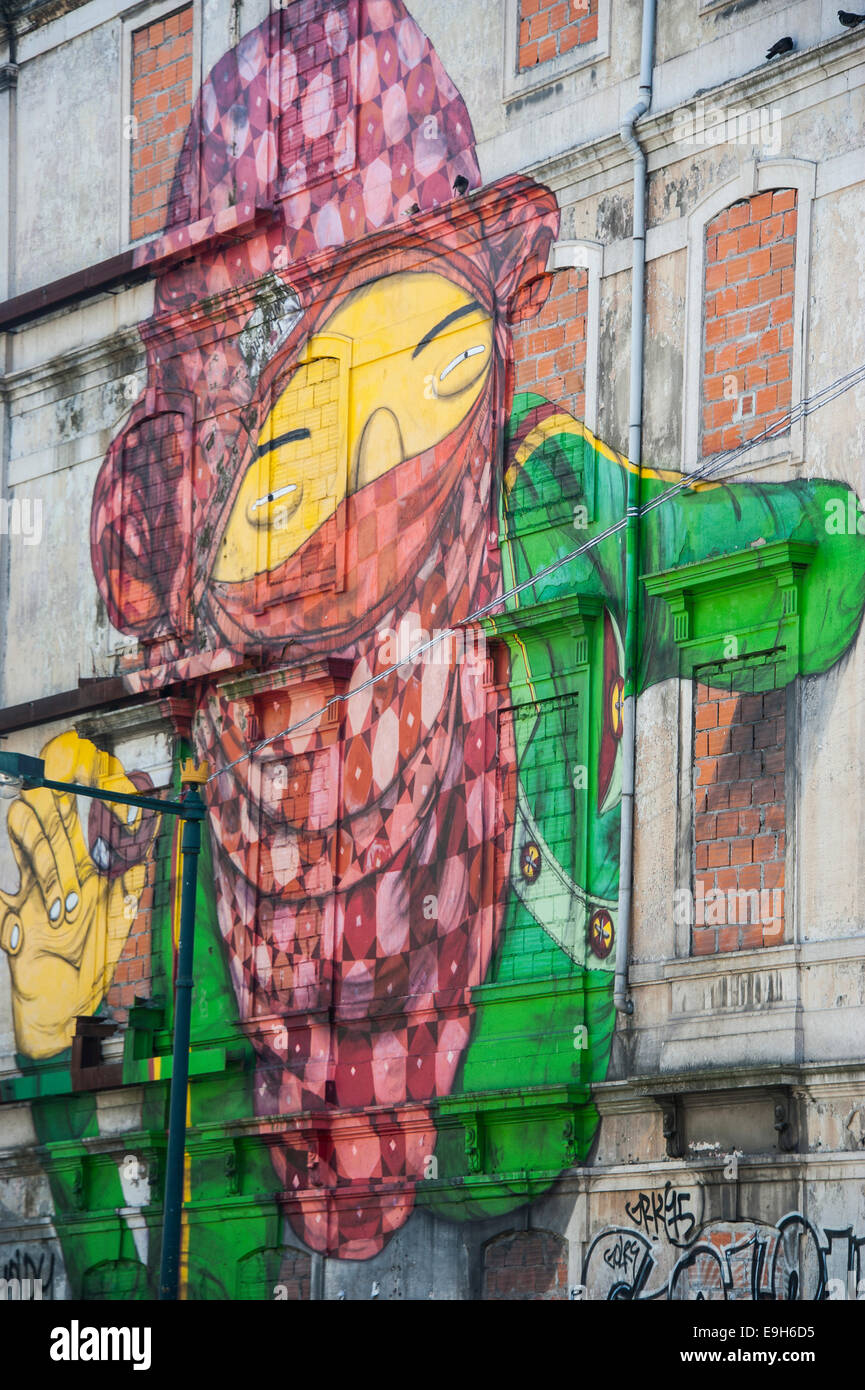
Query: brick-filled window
[
  {"x": 550, "y": 349},
  {"x": 134, "y": 972},
  {"x": 316, "y": 127},
  {"x": 526, "y": 1265},
  {"x": 161, "y": 105},
  {"x": 750, "y": 259},
  {"x": 538, "y": 732},
  {"x": 307, "y": 398},
  {"x": 296, "y": 791},
  {"x": 739, "y": 809},
  {"x": 153, "y": 465},
  {"x": 551, "y": 28}
]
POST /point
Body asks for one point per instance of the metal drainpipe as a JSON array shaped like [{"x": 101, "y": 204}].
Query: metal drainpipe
[
  {"x": 7, "y": 15},
  {"x": 632, "y": 533},
  {"x": 7, "y": 12}
]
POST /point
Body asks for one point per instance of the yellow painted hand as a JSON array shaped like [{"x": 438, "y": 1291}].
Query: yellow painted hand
[{"x": 66, "y": 926}]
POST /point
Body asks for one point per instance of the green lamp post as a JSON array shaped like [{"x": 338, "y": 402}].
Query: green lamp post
[{"x": 18, "y": 772}]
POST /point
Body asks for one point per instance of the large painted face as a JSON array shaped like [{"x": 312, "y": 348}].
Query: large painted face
[{"x": 389, "y": 375}]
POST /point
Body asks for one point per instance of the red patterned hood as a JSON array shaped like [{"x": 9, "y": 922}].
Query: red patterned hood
[{"x": 360, "y": 874}]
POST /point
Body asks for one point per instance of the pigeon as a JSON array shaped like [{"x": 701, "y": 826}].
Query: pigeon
[
  {"x": 410, "y": 212},
  {"x": 850, "y": 20},
  {"x": 785, "y": 45},
  {"x": 461, "y": 183}
]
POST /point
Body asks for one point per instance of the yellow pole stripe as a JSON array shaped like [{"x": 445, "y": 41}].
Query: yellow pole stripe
[
  {"x": 183, "y": 1283},
  {"x": 178, "y": 885},
  {"x": 522, "y": 648}
]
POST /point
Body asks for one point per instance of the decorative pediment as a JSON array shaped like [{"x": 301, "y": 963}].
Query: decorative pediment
[{"x": 752, "y": 596}]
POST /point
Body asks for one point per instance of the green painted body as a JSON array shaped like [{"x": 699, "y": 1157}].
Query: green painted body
[{"x": 528, "y": 1041}]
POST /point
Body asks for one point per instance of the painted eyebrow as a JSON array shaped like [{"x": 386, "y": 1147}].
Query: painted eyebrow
[
  {"x": 281, "y": 439},
  {"x": 442, "y": 324}
]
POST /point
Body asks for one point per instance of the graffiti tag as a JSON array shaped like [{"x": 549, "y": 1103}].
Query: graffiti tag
[{"x": 663, "y": 1213}]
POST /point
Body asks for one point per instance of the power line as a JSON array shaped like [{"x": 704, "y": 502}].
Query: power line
[{"x": 805, "y": 407}]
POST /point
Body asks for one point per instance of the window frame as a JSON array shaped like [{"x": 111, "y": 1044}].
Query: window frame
[
  {"x": 132, "y": 20},
  {"x": 580, "y": 254},
  {"x": 681, "y": 589},
  {"x": 516, "y": 84},
  {"x": 757, "y": 176}
]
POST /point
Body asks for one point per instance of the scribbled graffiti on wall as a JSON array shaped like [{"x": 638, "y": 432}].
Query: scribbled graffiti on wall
[
  {"x": 719, "y": 1259},
  {"x": 27, "y": 1274}
]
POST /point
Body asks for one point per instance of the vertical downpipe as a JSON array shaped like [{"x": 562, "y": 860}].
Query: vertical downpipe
[
  {"x": 8, "y": 95},
  {"x": 632, "y": 533}
]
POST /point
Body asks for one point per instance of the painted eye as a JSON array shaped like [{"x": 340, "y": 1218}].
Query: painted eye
[
  {"x": 276, "y": 507},
  {"x": 273, "y": 496},
  {"x": 462, "y": 371},
  {"x": 616, "y": 697},
  {"x": 463, "y": 356}
]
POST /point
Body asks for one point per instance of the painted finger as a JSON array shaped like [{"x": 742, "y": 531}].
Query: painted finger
[
  {"x": 58, "y": 826},
  {"x": 70, "y": 812},
  {"x": 33, "y": 849},
  {"x": 11, "y": 926}
]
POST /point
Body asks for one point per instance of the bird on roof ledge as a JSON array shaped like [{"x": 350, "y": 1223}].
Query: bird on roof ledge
[{"x": 785, "y": 45}]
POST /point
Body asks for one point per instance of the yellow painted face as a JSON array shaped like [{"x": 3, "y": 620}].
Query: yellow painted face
[{"x": 391, "y": 373}]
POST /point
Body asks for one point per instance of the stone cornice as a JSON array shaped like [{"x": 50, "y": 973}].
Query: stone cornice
[
  {"x": 34, "y": 14},
  {"x": 92, "y": 358},
  {"x": 631, "y": 1095},
  {"x": 558, "y": 615},
  {"x": 764, "y": 85},
  {"x": 338, "y": 262}
]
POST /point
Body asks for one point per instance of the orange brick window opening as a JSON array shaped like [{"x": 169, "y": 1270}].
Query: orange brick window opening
[
  {"x": 133, "y": 973},
  {"x": 748, "y": 319},
  {"x": 550, "y": 349},
  {"x": 526, "y": 1265},
  {"x": 551, "y": 28},
  {"x": 739, "y": 813},
  {"x": 161, "y": 105}
]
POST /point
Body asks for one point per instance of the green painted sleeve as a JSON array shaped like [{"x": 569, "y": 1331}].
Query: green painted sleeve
[{"x": 717, "y": 521}]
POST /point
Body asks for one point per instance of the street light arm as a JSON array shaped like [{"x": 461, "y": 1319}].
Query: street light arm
[
  {"x": 194, "y": 809},
  {"x": 19, "y": 771}
]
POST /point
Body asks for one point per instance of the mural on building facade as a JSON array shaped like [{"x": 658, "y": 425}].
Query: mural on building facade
[{"x": 328, "y": 452}]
